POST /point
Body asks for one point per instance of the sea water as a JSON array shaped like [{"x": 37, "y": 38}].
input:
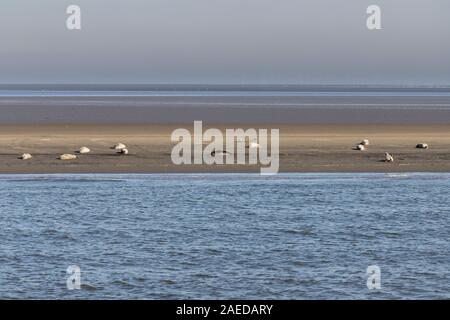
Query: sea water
[{"x": 214, "y": 236}]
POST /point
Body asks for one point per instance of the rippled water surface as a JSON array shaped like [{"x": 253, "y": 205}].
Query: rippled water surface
[{"x": 291, "y": 236}]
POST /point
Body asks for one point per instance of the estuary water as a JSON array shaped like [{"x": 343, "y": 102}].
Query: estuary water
[
  {"x": 214, "y": 236},
  {"x": 223, "y": 104}
]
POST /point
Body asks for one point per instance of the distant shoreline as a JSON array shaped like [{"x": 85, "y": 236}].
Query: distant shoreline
[{"x": 224, "y": 87}]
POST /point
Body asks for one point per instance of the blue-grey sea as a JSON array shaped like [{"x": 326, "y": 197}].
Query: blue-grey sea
[
  {"x": 214, "y": 236},
  {"x": 174, "y": 104}
]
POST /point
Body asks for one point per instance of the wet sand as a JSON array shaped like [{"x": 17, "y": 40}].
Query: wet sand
[{"x": 303, "y": 148}]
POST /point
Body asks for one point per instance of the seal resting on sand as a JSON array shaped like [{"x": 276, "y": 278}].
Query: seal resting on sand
[
  {"x": 220, "y": 153},
  {"x": 26, "y": 156},
  {"x": 119, "y": 146},
  {"x": 365, "y": 142},
  {"x": 123, "y": 151},
  {"x": 253, "y": 145},
  {"x": 83, "y": 150},
  {"x": 67, "y": 156},
  {"x": 388, "y": 157},
  {"x": 360, "y": 147},
  {"x": 422, "y": 146}
]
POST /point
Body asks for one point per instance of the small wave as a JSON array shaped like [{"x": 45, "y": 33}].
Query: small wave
[
  {"x": 88, "y": 287},
  {"x": 123, "y": 283},
  {"x": 397, "y": 175},
  {"x": 299, "y": 232},
  {"x": 390, "y": 234}
]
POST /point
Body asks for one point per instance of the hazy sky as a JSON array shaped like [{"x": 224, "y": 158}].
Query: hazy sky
[{"x": 225, "y": 41}]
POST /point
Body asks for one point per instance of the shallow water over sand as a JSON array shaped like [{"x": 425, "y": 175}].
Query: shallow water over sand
[{"x": 220, "y": 104}]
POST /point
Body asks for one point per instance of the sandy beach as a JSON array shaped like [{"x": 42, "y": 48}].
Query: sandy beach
[{"x": 303, "y": 148}]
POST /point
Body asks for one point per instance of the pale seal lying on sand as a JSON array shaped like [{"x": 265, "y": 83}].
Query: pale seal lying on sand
[
  {"x": 84, "y": 150},
  {"x": 360, "y": 147},
  {"x": 26, "y": 156},
  {"x": 123, "y": 151},
  {"x": 254, "y": 145},
  {"x": 67, "y": 156},
  {"x": 119, "y": 146}
]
